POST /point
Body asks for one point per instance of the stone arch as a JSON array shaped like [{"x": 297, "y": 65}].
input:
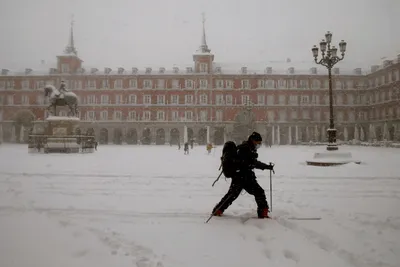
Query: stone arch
[
  {"x": 392, "y": 131},
  {"x": 117, "y": 136},
  {"x": 202, "y": 136},
  {"x": 190, "y": 133},
  {"x": 90, "y": 132},
  {"x": 363, "y": 133},
  {"x": 24, "y": 118},
  {"x": 350, "y": 131},
  {"x": 103, "y": 136},
  {"x": 244, "y": 125},
  {"x": 219, "y": 136},
  {"x": 378, "y": 133},
  {"x": 146, "y": 136},
  {"x": 174, "y": 134},
  {"x": 160, "y": 136},
  {"x": 131, "y": 137},
  {"x": 303, "y": 134}
]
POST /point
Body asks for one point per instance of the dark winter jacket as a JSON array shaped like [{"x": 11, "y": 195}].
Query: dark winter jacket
[{"x": 247, "y": 155}]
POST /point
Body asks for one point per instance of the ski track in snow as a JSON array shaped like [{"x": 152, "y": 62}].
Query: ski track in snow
[{"x": 154, "y": 217}]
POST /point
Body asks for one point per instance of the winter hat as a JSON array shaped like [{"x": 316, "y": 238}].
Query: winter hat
[{"x": 255, "y": 137}]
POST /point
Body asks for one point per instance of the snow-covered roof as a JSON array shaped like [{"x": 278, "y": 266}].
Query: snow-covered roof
[{"x": 284, "y": 67}]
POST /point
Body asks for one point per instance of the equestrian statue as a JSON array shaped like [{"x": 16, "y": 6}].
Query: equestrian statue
[{"x": 61, "y": 97}]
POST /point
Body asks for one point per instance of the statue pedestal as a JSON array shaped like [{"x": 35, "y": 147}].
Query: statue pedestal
[{"x": 59, "y": 135}]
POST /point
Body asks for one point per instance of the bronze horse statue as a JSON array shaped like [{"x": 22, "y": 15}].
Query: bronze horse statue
[{"x": 61, "y": 99}]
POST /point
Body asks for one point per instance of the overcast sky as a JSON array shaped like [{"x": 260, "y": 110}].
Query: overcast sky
[{"x": 130, "y": 33}]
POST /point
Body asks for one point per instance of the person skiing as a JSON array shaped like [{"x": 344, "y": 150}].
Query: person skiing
[
  {"x": 186, "y": 148},
  {"x": 245, "y": 178}
]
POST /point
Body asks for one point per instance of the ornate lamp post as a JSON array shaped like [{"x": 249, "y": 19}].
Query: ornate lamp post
[{"x": 328, "y": 59}]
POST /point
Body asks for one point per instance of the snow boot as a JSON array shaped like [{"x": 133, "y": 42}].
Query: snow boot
[
  {"x": 263, "y": 213},
  {"x": 217, "y": 212}
]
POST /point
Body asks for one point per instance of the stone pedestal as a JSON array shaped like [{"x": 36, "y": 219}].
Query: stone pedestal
[
  {"x": 331, "y": 158},
  {"x": 57, "y": 134}
]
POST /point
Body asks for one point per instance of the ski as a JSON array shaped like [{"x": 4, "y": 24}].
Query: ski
[{"x": 244, "y": 218}]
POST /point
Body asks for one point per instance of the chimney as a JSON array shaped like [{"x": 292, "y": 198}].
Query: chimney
[
  {"x": 53, "y": 71},
  {"x": 387, "y": 63},
  {"x": 28, "y": 71},
  {"x": 374, "y": 68},
  {"x": 268, "y": 70},
  {"x": 244, "y": 70},
  {"x": 4, "y": 71},
  {"x": 121, "y": 70},
  {"x": 336, "y": 71},
  {"x": 94, "y": 70},
  {"x": 175, "y": 70},
  {"x": 107, "y": 70},
  {"x": 134, "y": 70},
  {"x": 357, "y": 71},
  {"x": 291, "y": 70},
  {"x": 189, "y": 70},
  {"x": 148, "y": 70},
  {"x": 313, "y": 70}
]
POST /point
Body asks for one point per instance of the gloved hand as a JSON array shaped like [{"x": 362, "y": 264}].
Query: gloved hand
[{"x": 269, "y": 166}]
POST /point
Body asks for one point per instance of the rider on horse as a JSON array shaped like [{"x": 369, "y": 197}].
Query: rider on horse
[{"x": 62, "y": 89}]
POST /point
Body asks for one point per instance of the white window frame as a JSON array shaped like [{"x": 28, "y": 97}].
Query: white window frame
[
  {"x": 133, "y": 83},
  {"x": 147, "y": 84},
  {"x": 132, "y": 99},
  {"x": 175, "y": 99},
  {"x": 104, "y": 115},
  {"x": 160, "y": 115},
  {"x": 161, "y": 99},
  {"x": 118, "y": 84},
  {"x": 147, "y": 99}
]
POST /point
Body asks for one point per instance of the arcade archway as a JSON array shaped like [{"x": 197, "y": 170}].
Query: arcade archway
[
  {"x": 160, "y": 137},
  {"x": 174, "y": 136},
  {"x": 131, "y": 137}
]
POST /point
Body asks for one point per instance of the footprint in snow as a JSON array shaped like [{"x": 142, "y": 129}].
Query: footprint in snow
[{"x": 288, "y": 254}]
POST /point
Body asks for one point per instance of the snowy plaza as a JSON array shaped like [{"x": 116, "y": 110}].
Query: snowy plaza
[{"x": 146, "y": 206}]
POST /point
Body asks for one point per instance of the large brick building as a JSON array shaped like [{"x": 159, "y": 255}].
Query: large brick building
[{"x": 285, "y": 101}]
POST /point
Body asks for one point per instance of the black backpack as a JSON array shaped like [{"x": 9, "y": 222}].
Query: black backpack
[{"x": 229, "y": 159}]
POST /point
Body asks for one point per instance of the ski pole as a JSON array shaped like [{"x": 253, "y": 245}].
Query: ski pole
[
  {"x": 270, "y": 183},
  {"x": 212, "y": 214}
]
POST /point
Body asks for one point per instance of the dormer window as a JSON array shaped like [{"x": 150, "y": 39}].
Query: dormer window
[
  {"x": 148, "y": 70},
  {"x": 244, "y": 70},
  {"x": 175, "y": 70},
  {"x": 161, "y": 70}
]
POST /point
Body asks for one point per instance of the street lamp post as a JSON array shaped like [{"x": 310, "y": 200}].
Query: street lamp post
[{"x": 328, "y": 59}]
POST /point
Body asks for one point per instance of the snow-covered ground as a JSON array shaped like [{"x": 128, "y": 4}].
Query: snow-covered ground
[{"x": 146, "y": 206}]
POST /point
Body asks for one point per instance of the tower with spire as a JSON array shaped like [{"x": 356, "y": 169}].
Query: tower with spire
[
  {"x": 203, "y": 58},
  {"x": 69, "y": 62}
]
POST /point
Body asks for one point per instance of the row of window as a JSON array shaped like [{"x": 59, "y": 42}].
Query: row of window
[
  {"x": 201, "y": 84},
  {"x": 158, "y": 116},
  {"x": 272, "y": 116},
  {"x": 221, "y": 99}
]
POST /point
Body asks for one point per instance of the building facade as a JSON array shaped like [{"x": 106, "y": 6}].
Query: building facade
[{"x": 287, "y": 102}]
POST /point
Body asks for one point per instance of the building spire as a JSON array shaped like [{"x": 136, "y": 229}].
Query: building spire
[
  {"x": 204, "y": 47},
  {"x": 70, "y": 49}
]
